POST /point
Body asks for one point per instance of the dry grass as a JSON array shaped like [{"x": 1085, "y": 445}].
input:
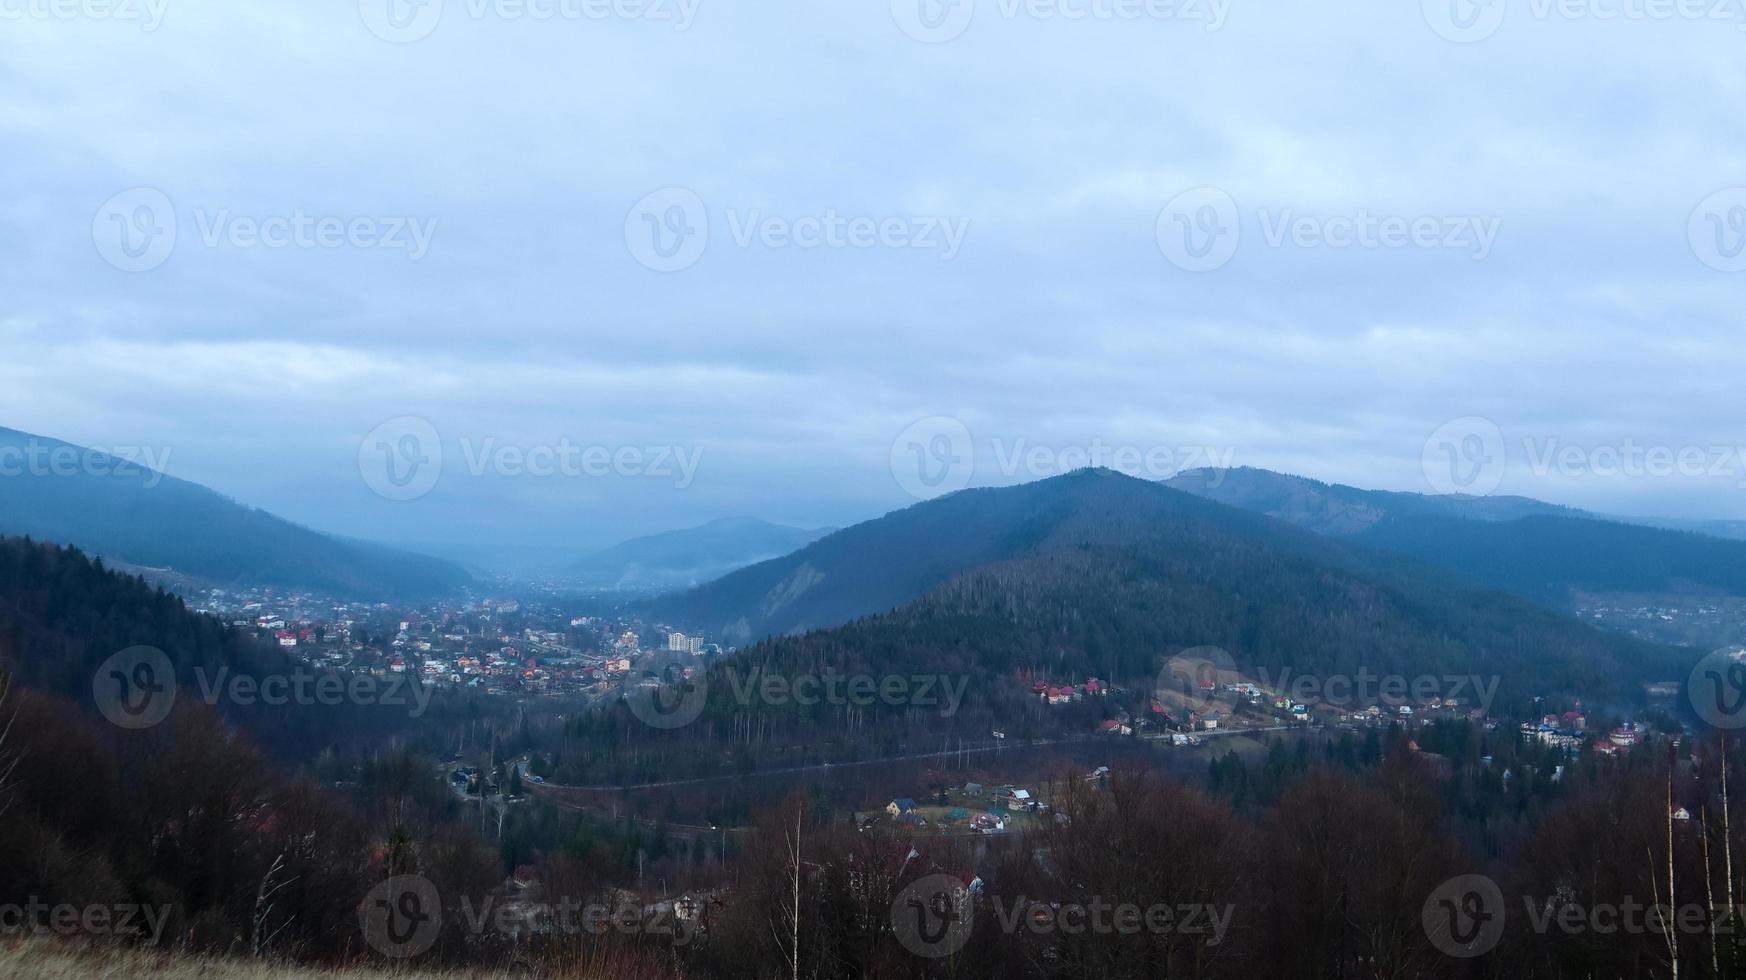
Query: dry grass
[{"x": 34, "y": 959}]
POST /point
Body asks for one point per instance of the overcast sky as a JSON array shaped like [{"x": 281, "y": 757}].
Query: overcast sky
[{"x": 809, "y": 260}]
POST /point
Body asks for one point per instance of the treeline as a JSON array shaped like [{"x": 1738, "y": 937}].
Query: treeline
[{"x": 1342, "y": 875}]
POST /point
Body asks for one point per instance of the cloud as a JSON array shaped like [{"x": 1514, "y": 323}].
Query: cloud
[{"x": 524, "y": 144}]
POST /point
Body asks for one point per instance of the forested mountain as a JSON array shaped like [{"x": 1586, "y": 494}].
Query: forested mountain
[
  {"x": 124, "y": 511},
  {"x": 1105, "y": 572},
  {"x": 1098, "y": 574},
  {"x": 194, "y": 810},
  {"x": 684, "y": 558},
  {"x": 1533, "y": 549}
]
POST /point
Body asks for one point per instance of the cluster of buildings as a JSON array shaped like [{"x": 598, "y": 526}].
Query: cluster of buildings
[{"x": 498, "y": 646}]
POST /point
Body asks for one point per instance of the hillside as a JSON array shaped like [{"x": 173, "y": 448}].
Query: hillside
[
  {"x": 143, "y": 518},
  {"x": 691, "y": 556},
  {"x": 1099, "y": 572}
]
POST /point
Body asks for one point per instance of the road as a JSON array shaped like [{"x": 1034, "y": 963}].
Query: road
[{"x": 704, "y": 780}]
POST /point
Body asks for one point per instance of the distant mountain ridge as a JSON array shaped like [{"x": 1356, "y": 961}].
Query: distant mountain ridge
[
  {"x": 690, "y": 556},
  {"x": 1527, "y": 547},
  {"x": 121, "y": 510},
  {"x": 1337, "y": 509}
]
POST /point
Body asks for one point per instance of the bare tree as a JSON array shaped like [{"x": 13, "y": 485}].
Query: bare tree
[{"x": 8, "y": 760}]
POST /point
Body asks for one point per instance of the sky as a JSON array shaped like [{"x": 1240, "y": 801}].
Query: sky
[{"x": 558, "y": 272}]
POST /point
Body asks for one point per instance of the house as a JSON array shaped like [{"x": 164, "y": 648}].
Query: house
[
  {"x": 900, "y": 806},
  {"x": 1210, "y": 721},
  {"x": 988, "y": 823},
  {"x": 972, "y": 789}
]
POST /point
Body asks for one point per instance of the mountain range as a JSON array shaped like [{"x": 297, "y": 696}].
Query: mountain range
[
  {"x": 1527, "y": 547},
  {"x": 126, "y": 512},
  {"x": 1096, "y": 573}
]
